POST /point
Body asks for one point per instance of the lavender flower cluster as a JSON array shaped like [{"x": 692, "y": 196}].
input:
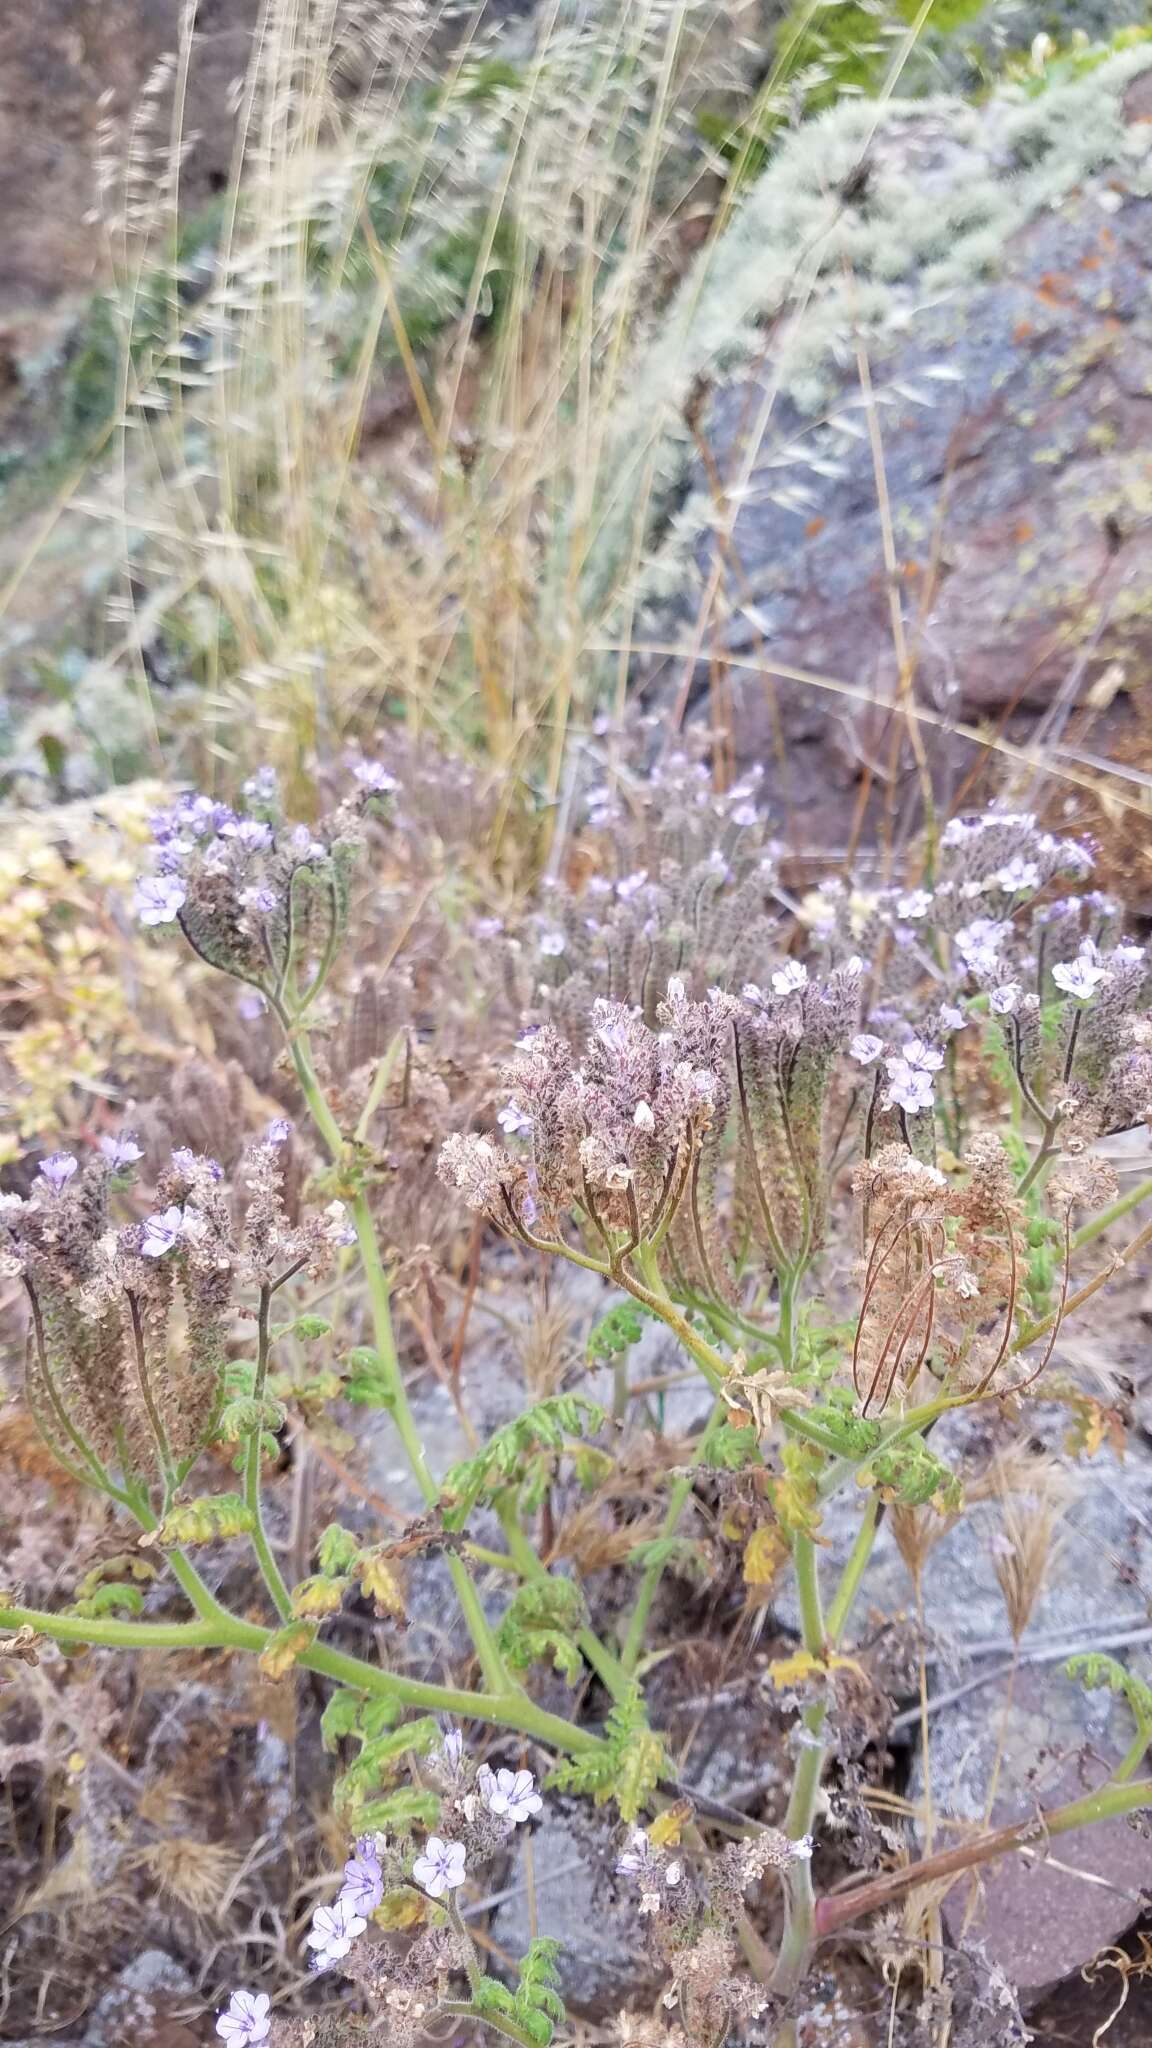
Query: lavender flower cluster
[
  {"x": 253, "y": 894},
  {"x": 130, "y": 1322},
  {"x": 626, "y": 1124},
  {"x": 682, "y": 891},
  {"x": 481, "y": 1809}
]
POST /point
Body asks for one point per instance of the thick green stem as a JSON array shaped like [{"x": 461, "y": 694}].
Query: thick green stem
[
  {"x": 820, "y": 1635},
  {"x": 1121, "y": 1207},
  {"x": 272, "y": 1575},
  {"x": 491, "y": 1662},
  {"x": 800, "y": 1899},
  {"x": 463, "y": 2009},
  {"x": 220, "y": 1630},
  {"x": 854, "y": 1570}
]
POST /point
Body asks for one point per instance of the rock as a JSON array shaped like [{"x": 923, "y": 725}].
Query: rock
[
  {"x": 580, "y": 1903},
  {"x": 139, "y": 2009},
  {"x": 58, "y": 60},
  {"x": 1044, "y": 1739},
  {"x": 1041, "y": 1914},
  {"x": 998, "y": 274}
]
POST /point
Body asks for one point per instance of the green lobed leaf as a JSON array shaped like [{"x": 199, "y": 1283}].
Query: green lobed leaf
[
  {"x": 502, "y": 1459},
  {"x": 1095, "y": 1671}
]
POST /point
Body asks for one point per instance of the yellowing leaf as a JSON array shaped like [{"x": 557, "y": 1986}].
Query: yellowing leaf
[
  {"x": 317, "y": 1596},
  {"x": 802, "y": 1664},
  {"x": 664, "y": 1832},
  {"x": 400, "y": 1909},
  {"x": 764, "y": 1553},
  {"x": 281, "y": 1650},
  {"x": 380, "y": 1583}
]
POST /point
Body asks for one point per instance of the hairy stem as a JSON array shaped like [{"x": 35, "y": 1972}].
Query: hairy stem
[
  {"x": 270, "y": 1570},
  {"x": 220, "y": 1630},
  {"x": 800, "y": 1902},
  {"x": 463, "y": 2008},
  {"x": 379, "y": 1299},
  {"x": 819, "y": 1635}
]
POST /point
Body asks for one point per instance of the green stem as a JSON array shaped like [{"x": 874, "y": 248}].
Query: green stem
[
  {"x": 800, "y": 1899},
  {"x": 1089, "y": 1231},
  {"x": 471, "y": 1965},
  {"x": 220, "y": 1630},
  {"x": 1046, "y": 1152},
  {"x": 270, "y": 1570},
  {"x": 786, "y": 1290},
  {"x": 380, "y": 1081},
  {"x": 463, "y": 2008},
  {"x": 819, "y": 1635},
  {"x": 854, "y": 1570},
  {"x": 379, "y": 1298},
  {"x": 677, "y": 1501}
]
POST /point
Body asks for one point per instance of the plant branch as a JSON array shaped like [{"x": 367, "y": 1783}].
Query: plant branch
[
  {"x": 379, "y": 1299},
  {"x": 224, "y": 1631},
  {"x": 1112, "y": 1800},
  {"x": 270, "y": 1570}
]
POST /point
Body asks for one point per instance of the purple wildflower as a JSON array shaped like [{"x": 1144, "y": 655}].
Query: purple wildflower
[
  {"x": 441, "y": 1868},
  {"x": 450, "y": 1754},
  {"x": 250, "y": 833},
  {"x": 121, "y": 1152},
  {"x": 514, "y": 1121},
  {"x": 363, "y": 1886},
  {"x": 244, "y": 2021},
  {"x": 263, "y": 900},
  {"x": 790, "y": 979},
  {"x": 374, "y": 778},
  {"x": 57, "y": 1169},
  {"x": 1080, "y": 978},
  {"x": 924, "y": 1059},
  {"x": 1005, "y": 1001},
  {"x": 159, "y": 898},
  {"x": 552, "y": 944},
  {"x": 333, "y": 1930},
  {"x": 278, "y": 1132},
  {"x": 303, "y": 847},
  {"x": 909, "y": 1087},
  {"x": 1018, "y": 874},
  {"x": 510, "y": 1794},
  {"x": 639, "y": 1859},
  {"x": 865, "y": 1049},
  {"x": 631, "y": 885},
  {"x": 162, "y": 1231}
]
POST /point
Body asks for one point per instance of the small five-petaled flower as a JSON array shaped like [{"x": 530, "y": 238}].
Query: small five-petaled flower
[
  {"x": 333, "y": 1930},
  {"x": 363, "y": 1886},
  {"x": 511, "y": 1794},
  {"x": 244, "y": 2021},
  {"x": 441, "y": 1868}
]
